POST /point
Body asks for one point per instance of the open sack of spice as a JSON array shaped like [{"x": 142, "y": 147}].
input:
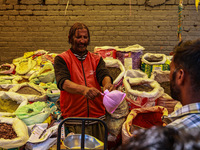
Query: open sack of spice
[
  {"x": 7, "y": 68},
  {"x": 13, "y": 133},
  {"x": 10, "y": 102},
  {"x": 142, "y": 92},
  {"x": 162, "y": 77},
  {"x": 116, "y": 70},
  {"x": 151, "y": 62},
  {"x": 31, "y": 91},
  {"x": 142, "y": 118}
]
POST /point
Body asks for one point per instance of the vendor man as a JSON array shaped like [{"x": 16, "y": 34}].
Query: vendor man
[
  {"x": 80, "y": 75},
  {"x": 185, "y": 85}
]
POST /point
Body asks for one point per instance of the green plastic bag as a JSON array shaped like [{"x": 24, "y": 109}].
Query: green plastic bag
[{"x": 34, "y": 113}]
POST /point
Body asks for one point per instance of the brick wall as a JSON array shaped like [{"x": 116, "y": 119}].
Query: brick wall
[{"x": 29, "y": 25}]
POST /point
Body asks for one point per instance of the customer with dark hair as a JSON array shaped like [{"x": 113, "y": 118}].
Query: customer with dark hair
[
  {"x": 163, "y": 138},
  {"x": 185, "y": 85},
  {"x": 80, "y": 75}
]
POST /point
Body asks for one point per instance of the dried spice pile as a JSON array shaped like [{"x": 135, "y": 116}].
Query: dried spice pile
[
  {"x": 28, "y": 90},
  {"x": 23, "y": 81},
  {"x": 4, "y": 68},
  {"x": 166, "y": 87},
  {"x": 154, "y": 59},
  {"x": 47, "y": 70},
  {"x": 2, "y": 89},
  {"x": 142, "y": 87},
  {"x": 8, "y": 105},
  {"x": 114, "y": 72},
  {"x": 7, "y": 131}
]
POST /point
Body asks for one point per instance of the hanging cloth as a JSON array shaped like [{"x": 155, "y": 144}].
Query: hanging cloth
[
  {"x": 180, "y": 8},
  {"x": 197, "y": 4}
]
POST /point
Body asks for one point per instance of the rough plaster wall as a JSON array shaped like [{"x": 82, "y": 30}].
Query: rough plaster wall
[{"x": 29, "y": 25}]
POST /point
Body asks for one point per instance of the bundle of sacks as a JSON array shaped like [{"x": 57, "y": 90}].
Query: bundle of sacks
[{"x": 28, "y": 93}]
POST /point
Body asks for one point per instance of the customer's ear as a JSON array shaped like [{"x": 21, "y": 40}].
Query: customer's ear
[{"x": 180, "y": 77}]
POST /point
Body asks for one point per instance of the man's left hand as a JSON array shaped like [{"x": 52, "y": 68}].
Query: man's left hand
[{"x": 109, "y": 87}]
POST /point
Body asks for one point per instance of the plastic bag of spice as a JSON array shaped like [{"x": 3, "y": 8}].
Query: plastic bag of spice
[
  {"x": 106, "y": 51},
  {"x": 10, "y": 102},
  {"x": 116, "y": 70},
  {"x": 130, "y": 56},
  {"x": 31, "y": 91},
  {"x": 13, "y": 133},
  {"x": 34, "y": 113},
  {"x": 45, "y": 74},
  {"x": 53, "y": 93},
  {"x": 24, "y": 66},
  {"x": 142, "y": 92}
]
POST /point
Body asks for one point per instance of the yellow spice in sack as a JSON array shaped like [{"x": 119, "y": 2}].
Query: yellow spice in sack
[
  {"x": 8, "y": 105},
  {"x": 23, "y": 65}
]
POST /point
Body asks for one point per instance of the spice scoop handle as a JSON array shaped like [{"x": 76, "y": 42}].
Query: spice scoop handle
[{"x": 102, "y": 94}]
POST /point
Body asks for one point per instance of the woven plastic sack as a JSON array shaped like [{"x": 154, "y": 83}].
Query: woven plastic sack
[
  {"x": 169, "y": 103},
  {"x": 115, "y": 63},
  {"x": 20, "y": 129},
  {"x": 151, "y": 62},
  {"x": 31, "y": 97},
  {"x": 135, "y": 73},
  {"x": 6, "y": 87},
  {"x": 142, "y": 118},
  {"x": 137, "y": 98},
  {"x": 7, "y": 68},
  {"x": 21, "y": 100},
  {"x": 162, "y": 77},
  {"x": 115, "y": 120}
]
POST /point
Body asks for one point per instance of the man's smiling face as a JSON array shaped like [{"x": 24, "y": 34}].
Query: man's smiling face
[{"x": 80, "y": 40}]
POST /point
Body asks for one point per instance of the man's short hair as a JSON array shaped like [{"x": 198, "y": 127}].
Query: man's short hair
[
  {"x": 187, "y": 57},
  {"x": 163, "y": 138},
  {"x": 75, "y": 27}
]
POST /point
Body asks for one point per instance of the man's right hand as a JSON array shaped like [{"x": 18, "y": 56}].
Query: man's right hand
[{"x": 91, "y": 93}]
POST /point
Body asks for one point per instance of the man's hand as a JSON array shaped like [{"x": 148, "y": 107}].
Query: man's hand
[
  {"x": 109, "y": 87},
  {"x": 91, "y": 93},
  {"x": 107, "y": 84}
]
